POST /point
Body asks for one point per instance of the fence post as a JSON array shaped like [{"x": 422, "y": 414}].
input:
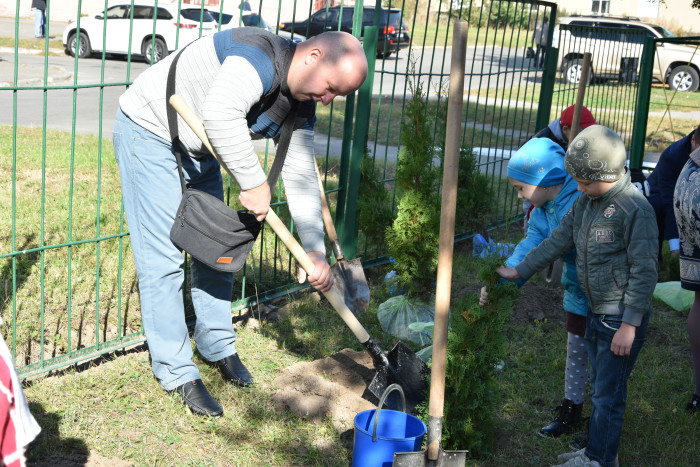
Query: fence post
[
  {"x": 359, "y": 142},
  {"x": 548, "y": 75},
  {"x": 641, "y": 113},
  {"x": 347, "y": 137}
]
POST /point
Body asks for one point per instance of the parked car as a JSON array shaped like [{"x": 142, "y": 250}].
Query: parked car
[
  {"x": 170, "y": 33},
  {"x": 248, "y": 18},
  {"x": 393, "y": 31},
  {"x": 616, "y": 45}
]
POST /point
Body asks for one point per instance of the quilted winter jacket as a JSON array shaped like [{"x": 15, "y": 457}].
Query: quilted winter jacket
[
  {"x": 543, "y": 221},
  {"x": 616, "y": 241}
]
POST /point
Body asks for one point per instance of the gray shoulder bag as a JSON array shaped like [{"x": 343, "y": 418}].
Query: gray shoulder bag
[{"x": 206, "y": 227}]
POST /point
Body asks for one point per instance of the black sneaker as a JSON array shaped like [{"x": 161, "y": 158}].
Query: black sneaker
[{"x": 694, "y": 405}]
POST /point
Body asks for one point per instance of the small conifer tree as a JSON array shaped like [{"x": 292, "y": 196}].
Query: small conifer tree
[
  {"x": 476, "y": 345},
  {"x": 413, "y": 236}
]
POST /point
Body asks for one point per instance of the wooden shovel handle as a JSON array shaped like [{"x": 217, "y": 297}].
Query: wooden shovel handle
[
  {"x": 327, "y": 219},
  {"x": 276, "y": 224},
  {"x": 576, "y": 120}
]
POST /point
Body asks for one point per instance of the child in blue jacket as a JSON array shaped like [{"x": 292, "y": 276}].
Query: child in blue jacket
[{"x": 538, "y": 174}]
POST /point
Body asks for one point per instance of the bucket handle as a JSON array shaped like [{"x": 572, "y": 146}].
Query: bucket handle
[{"x": 392, "y": 387}]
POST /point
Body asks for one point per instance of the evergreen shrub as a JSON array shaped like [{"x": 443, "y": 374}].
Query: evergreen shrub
[
  {"x": 414, "y": 235},
  {"x": 476, "y": 346}
]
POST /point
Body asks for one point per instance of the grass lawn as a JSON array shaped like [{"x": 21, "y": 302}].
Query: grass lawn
[
  {"x": 34, "y": 44},
  {"x": 117, "y": 410}
]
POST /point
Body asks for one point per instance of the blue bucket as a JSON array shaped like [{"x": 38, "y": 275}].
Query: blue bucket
[{"x": 381, "y": 433}]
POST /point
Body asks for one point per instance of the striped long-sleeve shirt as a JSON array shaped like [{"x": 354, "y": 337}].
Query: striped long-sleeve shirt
[{"x": 236, "y": 82}]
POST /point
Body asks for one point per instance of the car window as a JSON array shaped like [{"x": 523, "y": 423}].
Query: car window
[
  {"x": 143, "y": 12},
  {"x": 395, "y": 19},
  {"x": 601, "y": 32},
  {"x": 368, "y": 16},
  {"x": 164, "y": 14},
  {"x": 636, "y": 34},
  {"x": 326, "y": 17},
  {"x": 663, "y": 31},
  {"x": 225, "y": 18},
  {"x": 193, "y": 14},
  {"x": 348, "y": 14},
  {"x": 255, "y": 21},
  {"x": 117, "y": 12}
]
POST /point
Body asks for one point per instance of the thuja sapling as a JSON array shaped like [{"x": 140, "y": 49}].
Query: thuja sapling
[{"x": 476, "y": 347}]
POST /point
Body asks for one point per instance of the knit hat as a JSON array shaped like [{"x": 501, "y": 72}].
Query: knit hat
[
  {"x": 567, "y": 117},
  {"x": 598, "y": 154},
  {"x": 539, "y": 162}
]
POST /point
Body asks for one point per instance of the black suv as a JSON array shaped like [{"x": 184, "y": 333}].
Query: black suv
[{"x": 393, "y": 32}]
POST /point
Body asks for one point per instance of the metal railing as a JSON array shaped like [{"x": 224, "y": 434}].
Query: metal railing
[{"x": 70, "y": 290}]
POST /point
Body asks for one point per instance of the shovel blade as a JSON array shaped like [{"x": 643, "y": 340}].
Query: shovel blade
[
  {"x": 420, "y": 459},
  {"x": 405, "y": 369},
  {"x": 352, "y": 284}
]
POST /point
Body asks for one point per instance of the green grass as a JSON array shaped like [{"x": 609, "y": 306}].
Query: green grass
[
  {"x": 59, "y": 193},
  {"x": 117, "y": 410},
  {"x": 34, "y": 44},
  {"x": 440, "y": 35},
  {"x": 661, "y": 96},
  {"x": 482, "y": 128}
]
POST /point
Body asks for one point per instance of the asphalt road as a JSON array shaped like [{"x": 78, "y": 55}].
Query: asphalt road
[{"x": 485, "y": 65}]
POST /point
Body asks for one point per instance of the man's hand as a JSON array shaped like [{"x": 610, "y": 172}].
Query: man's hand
[
  {"x": 483, "y": 297},
  {"x": 510, "y": 274},
  {"x": 321, "y": 278},
  {"x": 257, "y": 200},
  {"x": 621, "y": 344}
]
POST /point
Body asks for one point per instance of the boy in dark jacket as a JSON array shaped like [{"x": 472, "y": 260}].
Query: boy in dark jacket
[{"x": 613, "y": 229}]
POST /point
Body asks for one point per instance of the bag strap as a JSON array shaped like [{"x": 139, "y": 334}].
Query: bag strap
[{"x": 282, "y": 145}]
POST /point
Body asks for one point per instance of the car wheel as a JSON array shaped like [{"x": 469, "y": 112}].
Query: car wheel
[
  {"x": 157, "y": 46},
  {"x": 84, "y": 49},
  {"x": 383, "y": 54},
  {"x": 684, "y": 78},
  {"x": 572, "y": 71}
]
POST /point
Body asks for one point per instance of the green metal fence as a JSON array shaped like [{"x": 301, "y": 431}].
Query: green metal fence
[{"x": 70, "y": 290}]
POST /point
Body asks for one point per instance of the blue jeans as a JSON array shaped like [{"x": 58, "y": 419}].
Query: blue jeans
[
  {"x": 151, "y": 192},
  {"x": 39, "y": 22},
  {"x": 608, "y": 375}
]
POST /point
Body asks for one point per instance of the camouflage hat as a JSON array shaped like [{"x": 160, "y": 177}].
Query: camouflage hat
[{"x": 598, "y": 154}]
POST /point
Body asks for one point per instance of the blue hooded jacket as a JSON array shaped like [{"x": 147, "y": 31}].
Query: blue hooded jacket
[{"x": 543, "y": 153}]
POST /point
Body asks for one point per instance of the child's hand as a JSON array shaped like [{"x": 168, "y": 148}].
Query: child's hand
[
  {"x": 508, "y": 273},
  {"x": 484, "y": 296},
  {"x": 623, "y": 339}
]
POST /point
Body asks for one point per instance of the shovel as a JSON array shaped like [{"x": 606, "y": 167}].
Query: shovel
[
  {"x": 401, "y": 365},
  {"x": 434, "y": 455},
  {"x": 349, "y": 277}
]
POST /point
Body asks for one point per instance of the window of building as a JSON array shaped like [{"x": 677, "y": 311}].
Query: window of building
[{"x": 600, "y": 7}]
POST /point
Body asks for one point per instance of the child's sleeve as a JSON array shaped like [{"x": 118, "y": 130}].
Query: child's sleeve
[
  {"x": 559, "y": 242},
  {"x": 642, "y": 257},
  {"x": 534, "y": 236}
]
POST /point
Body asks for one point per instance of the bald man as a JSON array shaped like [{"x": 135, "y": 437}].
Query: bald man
[{"x": 242, "y": 83}]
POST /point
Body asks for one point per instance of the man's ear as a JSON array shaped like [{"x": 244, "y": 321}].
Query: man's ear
[{"x": 313, "y": 56}]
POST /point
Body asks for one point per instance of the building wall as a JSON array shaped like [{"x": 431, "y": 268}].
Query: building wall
[{"x": 672, "y": 14}]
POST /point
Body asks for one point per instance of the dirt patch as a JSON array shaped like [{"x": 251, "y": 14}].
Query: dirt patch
[
  {"x": 540, "y": 303},
  {"x": 334, "y": 387}
]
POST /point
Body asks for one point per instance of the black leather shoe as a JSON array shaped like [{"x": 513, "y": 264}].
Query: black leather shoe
[
  {"x": 233, "y": 370},
  {"x": 198, "y": 399}
]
